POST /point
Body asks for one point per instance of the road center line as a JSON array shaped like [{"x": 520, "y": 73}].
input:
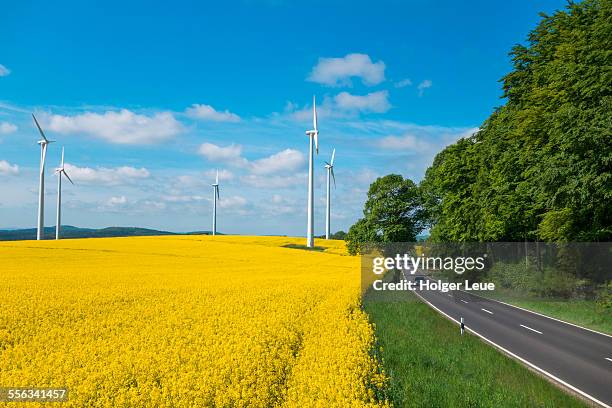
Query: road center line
[
  {"x": 529, "y": 328},
  {"x": 609, "y": 359},
  {"x": 515, "y": 356},
  {"x": 488, "y": 311},
  {"x": 463, "y": 301}
]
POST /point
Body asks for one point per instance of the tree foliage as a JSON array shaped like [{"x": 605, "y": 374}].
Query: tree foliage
[
  {"x": 540, "y": 167},
  {"x": 392, "y": 213},
  {"x": 340, "y": 235}
]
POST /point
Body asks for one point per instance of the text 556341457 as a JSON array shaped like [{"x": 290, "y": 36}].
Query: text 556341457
[{"x": 38, "y": 394}]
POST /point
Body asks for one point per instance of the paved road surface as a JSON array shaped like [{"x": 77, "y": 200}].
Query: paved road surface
[{"x": 580, "y": 358}]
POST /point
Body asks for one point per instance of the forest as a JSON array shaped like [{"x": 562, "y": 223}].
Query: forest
[
  {"x": 538, "y": 170},
  {"x": 540, "y": 167}
]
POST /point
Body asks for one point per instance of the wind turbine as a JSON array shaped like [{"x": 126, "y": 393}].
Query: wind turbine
[
  {"x": 215, "y": 198},
  {"x": 313, "y": 136},
  {"x": 59, "y": 171},
  {"x": 330, "y": 172},
  {"x": 41, "y": 189}
]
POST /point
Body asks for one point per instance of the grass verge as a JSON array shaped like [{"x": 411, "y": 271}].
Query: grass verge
[
  {"x": 431, "y": 365},
  {"x": 581, "y": 312}
]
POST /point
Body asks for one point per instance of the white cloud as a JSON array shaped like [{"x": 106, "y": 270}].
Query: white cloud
[
  {"x": 151, "y": 205},
  {"x": 207, "y": 112},
  {"x": 200, "y": 180},
  {"x": 280, "y": 205},
  {"x": 123, "y": 205},
  {"x": 373, "y": 102},
  {"x": 338, "y": 71},
  {"x": 324, "y": 110},
  {"x": 405, "y": 142},
  {"x": 343, "y": 105},
  {"x": 6, "y": 128},
  {"x": 232, "y": 202},
  {"x": 290, "y": 107},
  {"x": 223, "y": 175},
  {"x": 272, "y": 181},
  {"x": 4, "y": 71},
  {"x": 121, "y": 127},
  {"x": 423, "y": 86},
  {"x": 468, "y": 133},
  {"x": 286, "y": 160},
  {"x": 229, "y": 154},
  {"x": 403, "y": 83},
  {"x": 197, "y": 203},
  {"x": 427, "y": 141},
  {"x": 106, "y": 176},
  {"x": 364, "y": 177},
  {"x": 182, "y": 198},
  {"x": 189, "y": 181},
  {"x": 114, "y": 201},
  {"x": 7, "y": 168}
]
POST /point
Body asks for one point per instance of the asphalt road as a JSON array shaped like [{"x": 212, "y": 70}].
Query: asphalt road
[{"x": 577, "y": 358}]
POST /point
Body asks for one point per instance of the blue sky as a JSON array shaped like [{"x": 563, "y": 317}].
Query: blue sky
[{"x": 149, "y": 99}]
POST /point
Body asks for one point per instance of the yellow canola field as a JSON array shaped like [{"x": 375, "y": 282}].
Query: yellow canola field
[{"x": 187, "y": 321}]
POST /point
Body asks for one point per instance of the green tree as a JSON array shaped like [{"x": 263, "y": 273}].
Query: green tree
[
  {"x": 359, "y": 235},
  {"x": 338, "y": 235},
  {"x": 392, "y": 213},
  {"x": 540, "y": 167}
]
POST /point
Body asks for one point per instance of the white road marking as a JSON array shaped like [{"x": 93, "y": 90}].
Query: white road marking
[
  {"x": 463, "y": 301},
  {"x": 517, "y": 357},
  {"x": 449, "y": 295},
  {"x": 488, "y": 311},
  {"x": 609, "y": 359},
  {"x": 529, "y": 328},
  {"x": 539, "y": 314}
]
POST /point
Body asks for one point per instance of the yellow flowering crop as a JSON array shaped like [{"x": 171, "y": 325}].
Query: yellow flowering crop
[{"x": 193, "y": 321}]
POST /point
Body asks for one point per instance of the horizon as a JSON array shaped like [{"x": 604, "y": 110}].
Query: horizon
[{"x": 149, "y": 110}]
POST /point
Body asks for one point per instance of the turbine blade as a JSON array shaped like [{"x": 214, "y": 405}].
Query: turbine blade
[
  {"x": 314, "y": 112},
  {"x": 331, "y": 163},
  {"x": 67, "y": 176},
  {"x": 333, "y": 176},
  {"x": 39, "y": 128},
  {"x": 316, "y": 137},
  {"x": 62, "y": 157},
  {"x": 217, "y": 178},
  {"x": 217, "y": 190}
]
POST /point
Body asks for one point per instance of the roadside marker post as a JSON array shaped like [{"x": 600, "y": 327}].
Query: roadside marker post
[{"x": 462, "y": 326}]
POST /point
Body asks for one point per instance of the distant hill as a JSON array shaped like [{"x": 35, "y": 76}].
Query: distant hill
[{"x": 69, "y": 231}]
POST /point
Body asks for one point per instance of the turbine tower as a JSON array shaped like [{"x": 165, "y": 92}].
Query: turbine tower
[
  {"x": 60, "y": 171},
  {"x": 215, "y": 198},
  {"x": 330, "y": 172},
  {"x": 313, "y": 137},
  {"x": 41, "y": 189}
]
